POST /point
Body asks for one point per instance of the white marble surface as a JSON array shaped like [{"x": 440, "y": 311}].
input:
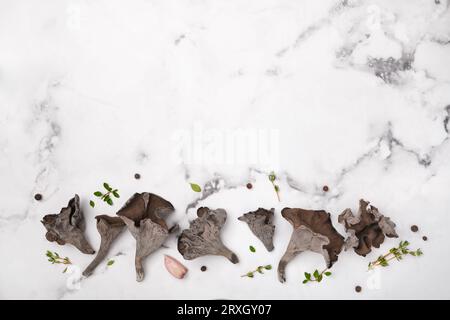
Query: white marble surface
[{"x": 94, "y": 91}]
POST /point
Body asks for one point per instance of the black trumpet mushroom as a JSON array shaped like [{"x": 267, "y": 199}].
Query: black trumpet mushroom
[
  {"x": 68, "y": 226},
  {"x": 109, "y": 228},
  {"x": 261, "y": 224},
  {"x": 203, "y": 236},
  {"x": 366, "y": 230},
  {"x": 313, "y": 231},
  {"x": 144, "y": 215}
]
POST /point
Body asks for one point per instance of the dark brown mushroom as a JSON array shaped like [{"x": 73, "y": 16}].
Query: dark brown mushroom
[
  {"x": 68, "y": 226},
  {"x": 203, "y": 236},
  {"x": 144, "y": 215},
  {"x": 109, "y": 228},
  {"x": 366, "y": 230},
  {"x": 313, "y": 231},
  {"x": 261, "y": 224}
]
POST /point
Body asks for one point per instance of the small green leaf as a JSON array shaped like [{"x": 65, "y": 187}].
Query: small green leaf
[
  {"x": 319, "y": 278},
  {"x": 116, "y": 194},
  {"x": 268, "y": 267},
  {"x": 316, "y": 274},
  {"x": 98, "y": 194},
  {"x": 308, "y": 276},
  {"x": 195, "y": 187},
  {"x": 272, "y": 177},
  {"x": 65, "y": 269},
  {"x": 92, "y": 203},
  {"x": 305, "y": 281},
  {"x": 110, "y": 263},
  {"x": 277, "y": 188},
  {"x": 109, "y": 201},
  {"x": 250, "y": 274},
  {"x": 252, "y": 248},
  {"x": 260, "y": 269},
  {"x": 107, "y": 187},
  {"x": 328, "y": 273}
]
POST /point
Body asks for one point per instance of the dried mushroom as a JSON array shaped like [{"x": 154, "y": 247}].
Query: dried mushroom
[
  {"x": 109, "y": 228},
  {"x": 261, "y": 224},
  {"x": 203, "y": 236},
  {"x": 366, "y": 230},
  {"x": 313, "y": 231},
  {"x": 144, "y": 215},
  {"x": 68, "y": 226}
]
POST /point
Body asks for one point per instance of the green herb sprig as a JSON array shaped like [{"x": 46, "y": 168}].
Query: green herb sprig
[
  {"x": 260, "y": 269},
  {"x": 316, "y": 276},
  {"x": 106, "y": 196},
  {"x": 54, "y": 257},
  {"x": 272, "y": 178},
  {"x": 395, "y": 253},
  {"x": 252, "y": 249}
]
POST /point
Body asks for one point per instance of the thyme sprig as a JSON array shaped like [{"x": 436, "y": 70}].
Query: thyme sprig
[
  {"x": 54, "y": 257},
  {"x": 106, "y": 196},
  {"x": 272, "y": 178},
  {"x": 260, "y": 269},
  {"x": 395, "y": 253},
  {"x": 316, "y": 276}
]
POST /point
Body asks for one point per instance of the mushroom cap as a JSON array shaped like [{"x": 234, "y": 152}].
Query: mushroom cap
[
  {"x": 68, "y": 226},
  {"x": 319, "y": 222},
  {"x": 366, "y": 230},
  {"x": 203, "y": 236},
  {"x": 261, "y": 224},
  {"x": 146, "y": 205}
]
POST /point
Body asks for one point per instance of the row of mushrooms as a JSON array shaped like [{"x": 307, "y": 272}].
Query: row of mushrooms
[{"x": 144, "y": 215}]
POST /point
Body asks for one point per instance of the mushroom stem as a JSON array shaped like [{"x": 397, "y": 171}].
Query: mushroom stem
[
  {"x": 109, "y": 228},
  {"x": 285, "y": 259},
  {"x": 101, "y": 254},
  {"x": 230, "y": 255},
  {"x": 140, "y": 273}
]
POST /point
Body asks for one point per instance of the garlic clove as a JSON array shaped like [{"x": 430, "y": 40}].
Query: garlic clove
[{"x": 174, "y": 267}]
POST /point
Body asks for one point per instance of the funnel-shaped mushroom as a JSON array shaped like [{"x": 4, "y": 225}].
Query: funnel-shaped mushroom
[
  {"x": 203, "y": 236},
  {"x": 366, "y": 230},
  {"x": 313, "y": 231},
  {"x": 261, "y": 224},
  {"x": 144, "y": 215},
  {"x": 109, "y": 228},
  {"x": 68, "y": 226}
]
